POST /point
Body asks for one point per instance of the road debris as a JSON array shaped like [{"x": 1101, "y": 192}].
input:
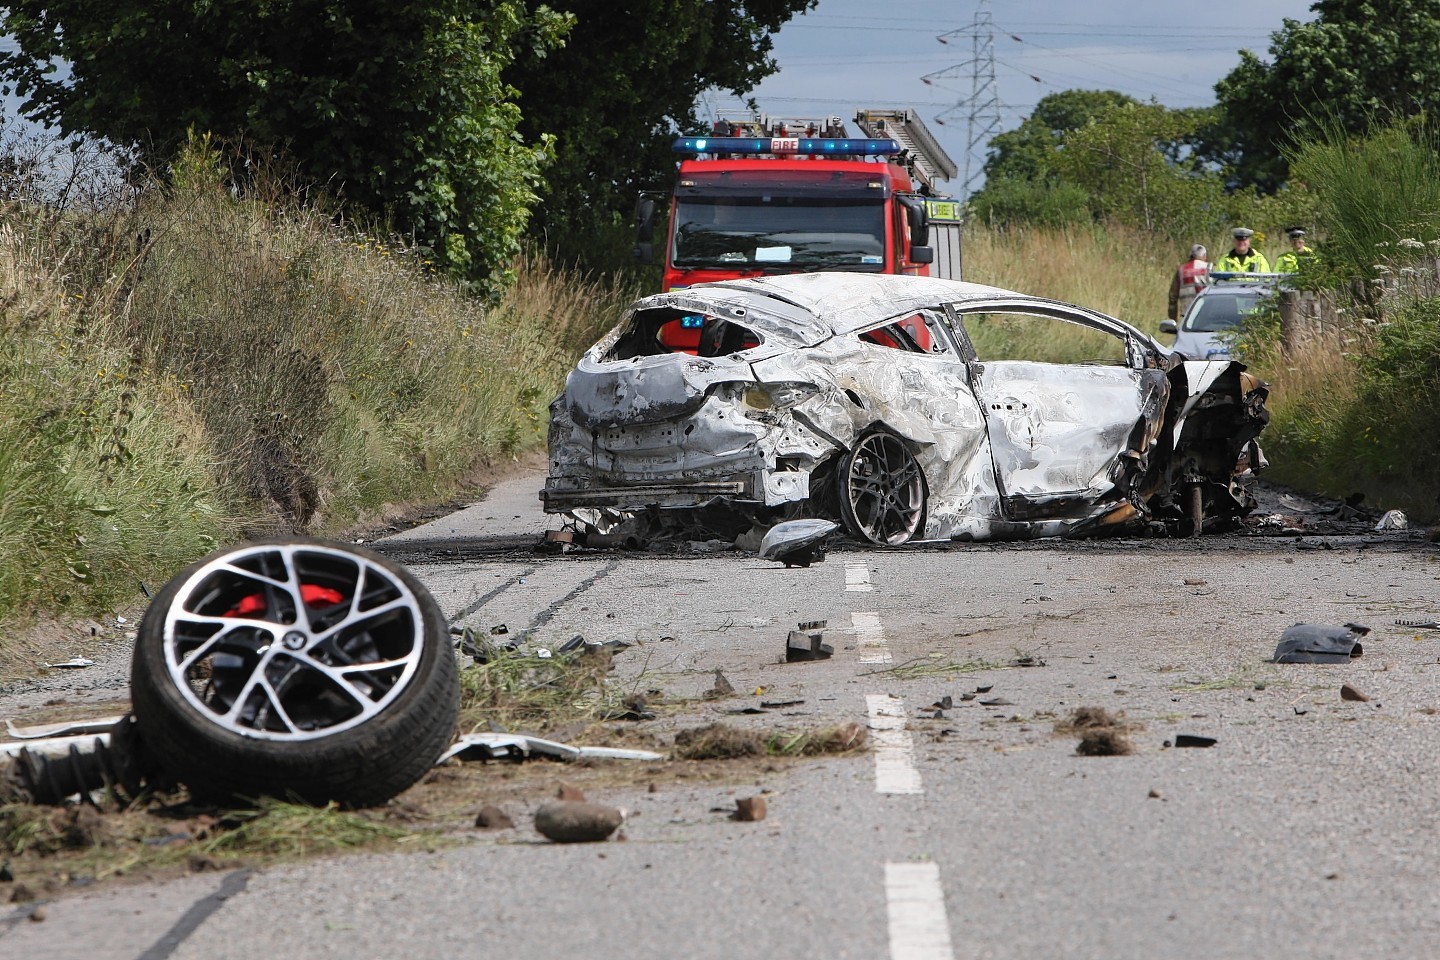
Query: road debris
[
  {"x": 76, "y": 663},
  {"x": 806, "y": 644},
  {"x": 492, "y": 817},
  {"x": 1418, "y": 623},
  {"x": 573, "y": 821},
  {"x": 472, "y": 747},
  {"x": 1392, "y": 520},
  {"x": 797, "y": 543},
  {"x": 1193, "y": 740},
  {"x": 749, "y": 809},
  {"x": 1102, "y": 733},
  {"x": 1320, "y": 643},
  {"x": 722, "y": 688},
  {"x": 1347, "y": 692}
]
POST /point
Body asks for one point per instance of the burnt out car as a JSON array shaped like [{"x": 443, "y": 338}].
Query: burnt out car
[{"x": 904, "y": 407}]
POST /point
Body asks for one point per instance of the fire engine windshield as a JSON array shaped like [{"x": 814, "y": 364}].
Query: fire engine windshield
[{"x": 785, "y": 232}]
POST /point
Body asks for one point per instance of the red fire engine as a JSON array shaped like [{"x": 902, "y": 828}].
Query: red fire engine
[{"x": 767, "y": 196}]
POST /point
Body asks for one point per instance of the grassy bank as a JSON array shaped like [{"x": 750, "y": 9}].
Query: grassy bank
[{"x": 183, "y": 364}]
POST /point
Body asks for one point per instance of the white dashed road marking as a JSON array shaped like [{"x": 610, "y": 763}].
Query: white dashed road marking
[
  {"x": 870, "y": 638},
  {"x": 895, "y": 770},
  {"x": 919, "y": 929},
  {"x": 857, "y": 577}
]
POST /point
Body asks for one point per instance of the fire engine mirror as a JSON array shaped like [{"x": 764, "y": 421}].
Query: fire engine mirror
[
  {"x": 644, "y": 220},
  {"x": 922, "y": 254},
  {"x": 645, "y": 252},
  {"x": 919, "y": 228}
]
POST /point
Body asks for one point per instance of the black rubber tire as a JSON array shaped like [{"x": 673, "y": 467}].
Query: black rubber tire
[
  {"x": 363, "y": 765},
  {"x": 882, "y": 490}
]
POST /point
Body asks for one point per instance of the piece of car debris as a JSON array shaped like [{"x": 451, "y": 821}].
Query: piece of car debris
[
  {"x": 515, "y": 746},
  {"x": 800, "y": 646},
  {"x": 1320, "y": 643},
  {"x": 65, "y": 728},
  {"x": 797, "y": 543},
  {"x": 778, "y": 704},
  {"x": 571, "y": 821},
  {"x": 75, "y": 663},
  {"x": 492, "y": 817},
  {"x": 1418, "y": 623},
  {"x": 1193, "y": 740}
]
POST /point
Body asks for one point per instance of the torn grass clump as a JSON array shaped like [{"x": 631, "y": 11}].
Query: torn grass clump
[
  {"x": 720, "y": 741},
  {"x": 1102, "y": 733}
]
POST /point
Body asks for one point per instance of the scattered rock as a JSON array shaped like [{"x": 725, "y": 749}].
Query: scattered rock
[
  {"x": 1348, "y": 692},
  {"x": 38, "y": 915},
  {"x": 571, "y": 821},
  {"x": 21, "y": 894},
  {"x": 1154, "y": 794},
  {"x": 492, "y": 817},
  {"x": 568, "y": 791},
  {"x": 750, "y": 809}
]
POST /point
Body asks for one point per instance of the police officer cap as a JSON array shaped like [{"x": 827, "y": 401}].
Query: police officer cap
[
  {"x": 1240, "y": 233},
  {"x": 1295, "y": 232}
]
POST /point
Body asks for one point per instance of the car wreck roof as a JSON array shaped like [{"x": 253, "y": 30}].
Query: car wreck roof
[{"x": 846, "y": 302}]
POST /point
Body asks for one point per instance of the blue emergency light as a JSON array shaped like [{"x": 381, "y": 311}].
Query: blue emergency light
[
  {"x": 692, "y": 321},
  {"x": 817, "y": 146}
]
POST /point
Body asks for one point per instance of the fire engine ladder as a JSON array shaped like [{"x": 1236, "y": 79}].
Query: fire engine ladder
[{"x": 918, "y": 148}]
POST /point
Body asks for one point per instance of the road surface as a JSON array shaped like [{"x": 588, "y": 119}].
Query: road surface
[{"x": 1306, "y": 830}]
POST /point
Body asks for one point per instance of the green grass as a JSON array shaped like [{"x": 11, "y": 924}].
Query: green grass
[{"x": 183, "y": 365}]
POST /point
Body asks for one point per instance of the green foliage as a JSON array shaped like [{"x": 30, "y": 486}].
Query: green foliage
[
  {"x": 1027, "y": 153},
  {"x": 628, "y": 77},
  {"x": 1372, "y": 192},
  {"x": 1357, "y": 60},
  {"x": 188, "y": 362},
  {"x": 399, "y": 108},
  {"x": 1120, "y": 159},
  {"x": 1038, "y": 203}
]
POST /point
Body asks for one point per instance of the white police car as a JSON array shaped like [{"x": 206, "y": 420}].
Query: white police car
[{"x": 1217, "y": 310}]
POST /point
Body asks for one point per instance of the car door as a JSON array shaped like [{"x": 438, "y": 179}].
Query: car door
[{"x": 1066, "y": 406}]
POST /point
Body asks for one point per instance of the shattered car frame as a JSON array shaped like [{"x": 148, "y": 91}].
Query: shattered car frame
[{"x": 862, "y": 398}]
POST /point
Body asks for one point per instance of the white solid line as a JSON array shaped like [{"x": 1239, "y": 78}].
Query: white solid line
[
  {"x": 870, "y": 637},
  {"x": 857, "y": 577},
  {"x": 895, "y": 770},
  {"x": 919, "y": 929}
]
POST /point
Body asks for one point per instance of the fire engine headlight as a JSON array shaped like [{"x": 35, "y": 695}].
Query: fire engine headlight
[{"x": 761, "y": 397}]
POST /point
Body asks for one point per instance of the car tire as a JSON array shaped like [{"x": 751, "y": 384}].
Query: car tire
[
  {"x": 295, "y": 668},
  {"x": 882, "y": 490}
]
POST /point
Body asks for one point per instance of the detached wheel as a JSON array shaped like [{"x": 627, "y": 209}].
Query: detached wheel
[
  {"x": 295, "y": 668},
  {"x": 882, "y": 490}
]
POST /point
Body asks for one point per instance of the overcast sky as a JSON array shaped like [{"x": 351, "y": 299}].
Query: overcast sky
[{"x": 852, "y": 54}]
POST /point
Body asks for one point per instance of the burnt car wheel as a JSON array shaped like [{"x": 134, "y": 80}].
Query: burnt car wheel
[
  {"x": 295, "y": 668},
  {"x": 882, "y": 490}
]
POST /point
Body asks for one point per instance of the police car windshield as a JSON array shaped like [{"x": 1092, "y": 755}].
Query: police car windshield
[{"x": 1212, "y": 312}]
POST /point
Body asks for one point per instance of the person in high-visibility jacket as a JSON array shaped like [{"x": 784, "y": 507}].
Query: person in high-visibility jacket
[
  {"x": 1241, "y": 258},
  {"x": 1187, "y": 280},
  {"x": 1289, "y": 261}
]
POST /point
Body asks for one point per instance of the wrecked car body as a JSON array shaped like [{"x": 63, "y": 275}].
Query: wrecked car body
[{"x": 864, "y": 399}]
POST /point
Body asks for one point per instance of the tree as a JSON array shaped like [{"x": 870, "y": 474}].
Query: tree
[
  {"x": 1126, "y": 160},
  {"x": 1028, "y": 151},
  {"x": 1358, "y": 61},
  {"x": 627, "y": 80},
  {"x": 397, "y": 105}
]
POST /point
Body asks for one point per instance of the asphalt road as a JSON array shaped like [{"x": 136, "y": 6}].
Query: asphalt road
[{"x": 1307, "y": 830}]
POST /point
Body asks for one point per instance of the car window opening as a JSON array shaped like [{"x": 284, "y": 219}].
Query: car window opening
[
  {"x": 668, "y": 330},
  {"x": 911, "y": 334}
]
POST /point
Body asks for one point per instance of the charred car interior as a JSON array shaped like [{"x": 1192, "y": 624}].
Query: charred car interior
[{"x": 899, "y": 406}]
